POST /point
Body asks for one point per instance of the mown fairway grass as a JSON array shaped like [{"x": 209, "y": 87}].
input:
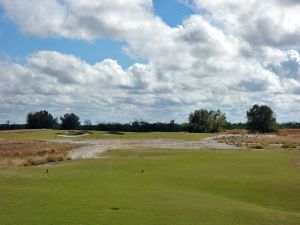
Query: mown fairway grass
[
  {"x": 181, "y": 187},
  {"x": 54, "y": 134}
]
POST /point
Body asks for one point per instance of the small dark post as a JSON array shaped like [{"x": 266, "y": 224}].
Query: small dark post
[
  {"x": 47, "y": 171},
  {"x": 142, "y": 171}
]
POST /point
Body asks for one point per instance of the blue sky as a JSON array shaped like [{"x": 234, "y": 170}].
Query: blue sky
[
  {"x": 118, "y": 60},
  {"x": 17, "y": 45}
]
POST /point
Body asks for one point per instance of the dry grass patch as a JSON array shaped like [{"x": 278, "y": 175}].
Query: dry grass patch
[
  {"x": 236, "y": 131},
  {"x": 32, "y": 152},
  {"x": 290, "y": 133},
  {"x": 289, "y": 138}
]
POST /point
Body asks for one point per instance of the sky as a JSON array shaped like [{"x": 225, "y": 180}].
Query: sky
[{"x": 126, "y": 60}]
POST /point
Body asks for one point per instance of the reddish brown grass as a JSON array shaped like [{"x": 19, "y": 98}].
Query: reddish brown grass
[
  {"x": 290, "y": 133},
  {"x": 32, "y": 152}
]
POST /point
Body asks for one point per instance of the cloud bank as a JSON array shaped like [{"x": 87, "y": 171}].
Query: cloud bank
[{"x": 229, "y": 54}]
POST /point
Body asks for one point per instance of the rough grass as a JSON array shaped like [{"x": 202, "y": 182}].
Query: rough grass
[
  {"x": 289, "y": 138},
  {"x": 236, "y": 131},
  {"x": 290, "y": 132},
  {"x": 32, "y": 152},
  {"x": 179, "y": 187},
  {"x": 54, "y": 134}
]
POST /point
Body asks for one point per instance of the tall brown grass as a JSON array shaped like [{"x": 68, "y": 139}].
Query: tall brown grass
[{"x": 32, "y": 152}]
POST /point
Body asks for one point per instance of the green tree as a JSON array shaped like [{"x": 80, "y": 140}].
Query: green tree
[
  {"x": 205, "y": 121},
  {"x": 217, "y": 121},
  {"x": 261, "y": 119},
  {"x": 41, "y": 119},
  {"x": 69, "y": 121}
]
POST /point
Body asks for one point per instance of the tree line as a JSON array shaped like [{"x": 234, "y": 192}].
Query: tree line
[{"x": 259, "y": 119}]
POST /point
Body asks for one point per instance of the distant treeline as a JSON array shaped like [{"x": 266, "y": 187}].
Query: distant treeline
[
  {"x": 259, "y": 119},
  {"x": 290, "y": 125},
  {"x": 138, "y": 126},
  {"x": 143, "y": 126},
  {"x": 12, "y": 126}
]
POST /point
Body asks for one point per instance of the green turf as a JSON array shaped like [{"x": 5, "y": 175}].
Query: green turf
[
  {"x": 177, "y": 187},
  {"x": 54, "y": 134}
]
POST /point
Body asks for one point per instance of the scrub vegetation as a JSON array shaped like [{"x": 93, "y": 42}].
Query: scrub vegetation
[{"x": 288, "y": 138}]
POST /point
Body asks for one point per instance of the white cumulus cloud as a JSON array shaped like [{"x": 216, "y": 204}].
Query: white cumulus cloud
[{"x": 230, "y": 54}]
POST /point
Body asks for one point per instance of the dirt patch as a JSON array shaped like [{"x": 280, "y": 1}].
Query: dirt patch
[{"x": 96, "y": 147}]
